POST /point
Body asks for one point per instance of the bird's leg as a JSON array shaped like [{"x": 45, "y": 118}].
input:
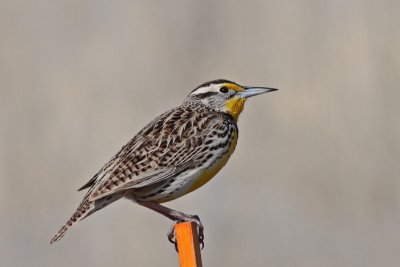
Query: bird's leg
[{"x": 177, "y": 217}]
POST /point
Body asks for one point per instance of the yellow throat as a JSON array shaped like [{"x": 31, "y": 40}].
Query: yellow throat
[{"x": 234, "y": 106}]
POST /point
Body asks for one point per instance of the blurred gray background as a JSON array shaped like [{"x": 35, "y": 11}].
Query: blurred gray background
[{"x": 314, "y": 180}]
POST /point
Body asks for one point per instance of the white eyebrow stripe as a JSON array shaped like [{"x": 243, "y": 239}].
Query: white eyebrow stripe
[{"x": 202, "y": 90}]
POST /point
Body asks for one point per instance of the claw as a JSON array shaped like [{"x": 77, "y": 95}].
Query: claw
[
  {"x": 177, "y": 217},
  {"x": 201, "y": 238},
  {"x": 200, "y": 228},
  {"x": 171, "y": 236}
]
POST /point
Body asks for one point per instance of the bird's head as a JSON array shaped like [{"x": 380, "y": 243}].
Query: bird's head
[{"x": 225, "y": 96}]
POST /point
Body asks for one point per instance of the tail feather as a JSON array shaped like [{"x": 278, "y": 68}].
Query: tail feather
[
  {"x": 85, "y": 209},
  {"x": 79, "y": 214}
]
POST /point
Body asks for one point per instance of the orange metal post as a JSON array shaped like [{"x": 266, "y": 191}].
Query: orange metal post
[{"x": 188, "y": 244}]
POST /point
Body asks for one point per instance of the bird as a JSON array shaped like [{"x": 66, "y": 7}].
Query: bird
[{"x": 173, "y": 155}]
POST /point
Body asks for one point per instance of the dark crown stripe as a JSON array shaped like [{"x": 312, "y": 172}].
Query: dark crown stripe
[{"x": 218, "y": 81}]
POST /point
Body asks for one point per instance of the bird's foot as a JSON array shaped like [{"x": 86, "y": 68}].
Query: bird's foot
[{"x": 188, "y": 218}]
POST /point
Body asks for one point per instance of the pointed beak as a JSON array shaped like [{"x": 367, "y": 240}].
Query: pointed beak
[{"x": 253, "y": 91}]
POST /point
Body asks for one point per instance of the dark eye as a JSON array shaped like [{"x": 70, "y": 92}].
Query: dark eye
[{"x": 224, "y": 90}]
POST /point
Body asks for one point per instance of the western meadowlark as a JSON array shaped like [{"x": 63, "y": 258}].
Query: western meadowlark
[{"x": 173, "y": 155}]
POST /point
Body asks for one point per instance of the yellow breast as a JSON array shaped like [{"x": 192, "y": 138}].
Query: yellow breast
[{"x": 211, "y": 171}]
